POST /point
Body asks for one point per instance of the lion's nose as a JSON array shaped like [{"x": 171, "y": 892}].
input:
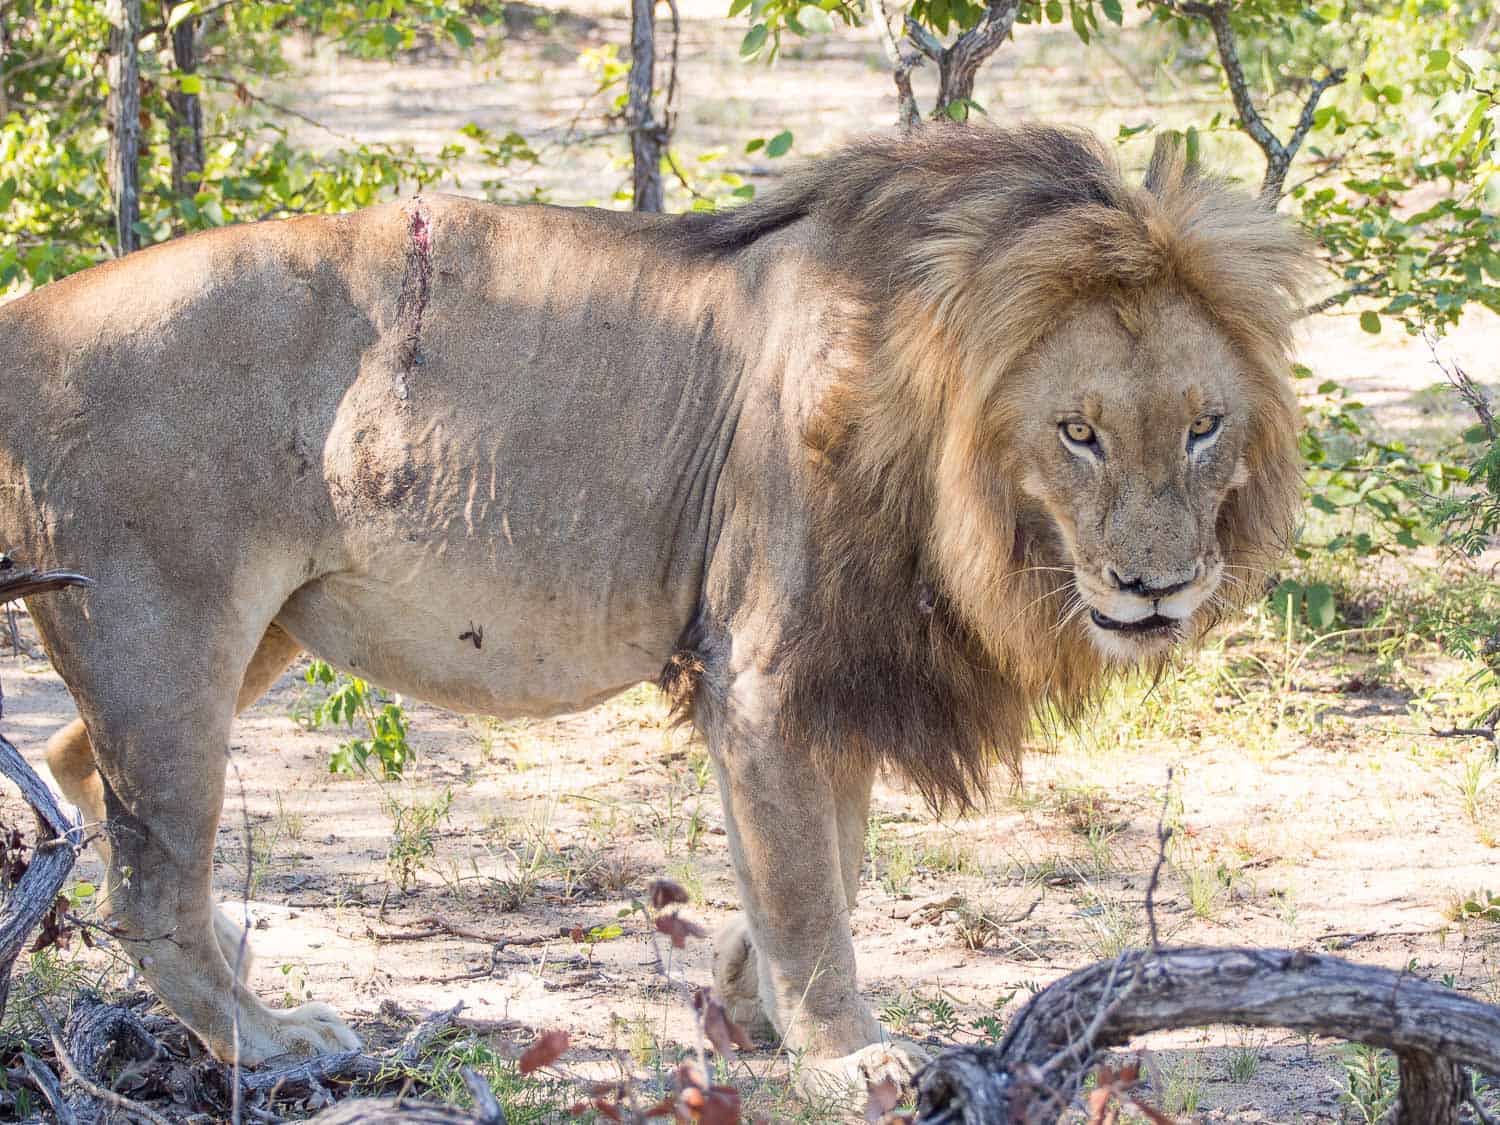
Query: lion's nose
[{"x": 1138, "y": 586}]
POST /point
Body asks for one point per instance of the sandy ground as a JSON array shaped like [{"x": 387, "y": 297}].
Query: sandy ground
[{"x": 1315, "y": 811}]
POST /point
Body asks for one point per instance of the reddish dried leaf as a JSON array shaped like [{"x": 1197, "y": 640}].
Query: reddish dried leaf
[
  {"x": 665, "y": 1108},
  {"x": 679, "y": 929},
  {"x": 1152, "y": 1114},
  {"x": 722, "y": 1032},
  {"x": 666, "y": 893},
  {"x": 577, "y": 935},
  {"x": 721, "y": 1106},
  {"x": 548, "y": 1048},
  {"x": 1098, "y": 1103},
  {"x": 578, "y": 1109},
  {"x": 608, "y": 1110},
  {"x": 885, "y": 1096}
]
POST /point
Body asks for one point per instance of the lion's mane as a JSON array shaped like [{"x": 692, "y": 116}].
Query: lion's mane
[{"x": 931, "y": 639}]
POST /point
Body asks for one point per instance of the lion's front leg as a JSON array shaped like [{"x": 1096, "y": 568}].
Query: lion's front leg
[{"x": 796, "y": 853}]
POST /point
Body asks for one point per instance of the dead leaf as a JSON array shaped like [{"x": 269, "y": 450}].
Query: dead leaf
[
  {"x": 679, "y": 929},
  {"x": 722, "y": 1032},
  {"x": 1100, "y": 1102},
  {"x": 547, "y": 1049},
  {"x": 608, "y": 1110},
  {"x": 721, "y": 1106},
  {"x": 665, "y": 893}
]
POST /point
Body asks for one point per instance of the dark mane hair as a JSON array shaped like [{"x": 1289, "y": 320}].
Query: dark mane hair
[{"x": 932, "y": 637}]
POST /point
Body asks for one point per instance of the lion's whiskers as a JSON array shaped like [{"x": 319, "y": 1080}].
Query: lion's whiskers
[{"x": 1036, "y": 601}]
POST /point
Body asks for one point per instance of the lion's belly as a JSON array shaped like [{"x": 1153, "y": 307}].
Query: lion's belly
[{"x": 480, "y": 644}]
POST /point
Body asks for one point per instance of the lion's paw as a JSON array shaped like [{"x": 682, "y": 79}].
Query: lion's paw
[
  {"x": 737, "y": 979},
  {"x": 852, "y": 1075},
  {"x": 310, "y": 1029}
]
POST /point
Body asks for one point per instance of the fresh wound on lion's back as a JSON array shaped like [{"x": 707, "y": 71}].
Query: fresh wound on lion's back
[{"x": 416, "y": 290}]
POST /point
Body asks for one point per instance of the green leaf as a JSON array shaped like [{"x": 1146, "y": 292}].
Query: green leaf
[
  {"x": 1054, "y": 11},
  {"x": 779, "y": 144},
  {"x": 815, "y": 20},
  {"x": 1286, "y": 600},
  {"x": 1112, "y": 11},
  {"x": 460, "y": 32},
  {"x": 754, "y": 40},
  {"x": 1320, "y": 606},
  {"x": 737, "y": 7},
  {"x": 1080, "y": 23},
  {"x": 179, "y": 13},
  {"x": 1369, "y": 320},
  {"x": 755, "y": 145},
  {"x": 190, "y": 84}
]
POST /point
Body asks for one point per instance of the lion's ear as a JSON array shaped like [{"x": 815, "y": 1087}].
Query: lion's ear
[{"x": 1173, "y": 163}]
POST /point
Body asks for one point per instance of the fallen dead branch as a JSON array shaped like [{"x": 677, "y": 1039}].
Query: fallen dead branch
[
  {"x": 1058, "y": 1038},
  {"x": 405, "y": 1111},
  {"x": 93, "y": 1030}
]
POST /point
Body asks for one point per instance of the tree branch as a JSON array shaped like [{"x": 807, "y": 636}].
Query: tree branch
[
  {"x": 908, "y": 116},
  {"x": 1043, "y": 1060},
  {"x": 1278, "y": 155},
  {"x": 960, "y": 62}
]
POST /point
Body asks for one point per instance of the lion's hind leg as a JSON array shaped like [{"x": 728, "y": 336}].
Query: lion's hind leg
[
  {"x": 70, "y": 758},
  {"x": 157, "y": 675}
]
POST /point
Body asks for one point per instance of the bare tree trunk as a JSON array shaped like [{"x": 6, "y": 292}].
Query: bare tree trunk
[
  {"x": 124, "y": 112},
  {"x": 186, "y": 121},
  {"x": 4, "y": 58},
  {"x": 647, "y": 135}
]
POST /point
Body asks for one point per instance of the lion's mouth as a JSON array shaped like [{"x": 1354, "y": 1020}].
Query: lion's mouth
[{"x": 1157, "y": 625}]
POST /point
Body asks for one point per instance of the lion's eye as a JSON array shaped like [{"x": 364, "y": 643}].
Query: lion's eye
[
  {"x": 1203, "y": 426},
  {"x": 1080, "y": 433}
]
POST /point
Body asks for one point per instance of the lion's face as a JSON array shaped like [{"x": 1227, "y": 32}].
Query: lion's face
[{"x": 1134, "y": 424}]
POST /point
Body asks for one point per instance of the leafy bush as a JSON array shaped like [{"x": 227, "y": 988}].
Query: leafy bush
[{"x": 351, "y": 703}]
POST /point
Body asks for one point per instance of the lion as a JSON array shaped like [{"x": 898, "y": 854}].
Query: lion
[{"x": 938, "y": 435}]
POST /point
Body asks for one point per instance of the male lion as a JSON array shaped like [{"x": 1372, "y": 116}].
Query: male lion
[{"x": 935, "y": 435}]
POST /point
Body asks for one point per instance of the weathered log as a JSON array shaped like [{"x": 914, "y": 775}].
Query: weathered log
[
  {"x": 303, "y": 1077},
  {"x": 1057, "y": 1038}
]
